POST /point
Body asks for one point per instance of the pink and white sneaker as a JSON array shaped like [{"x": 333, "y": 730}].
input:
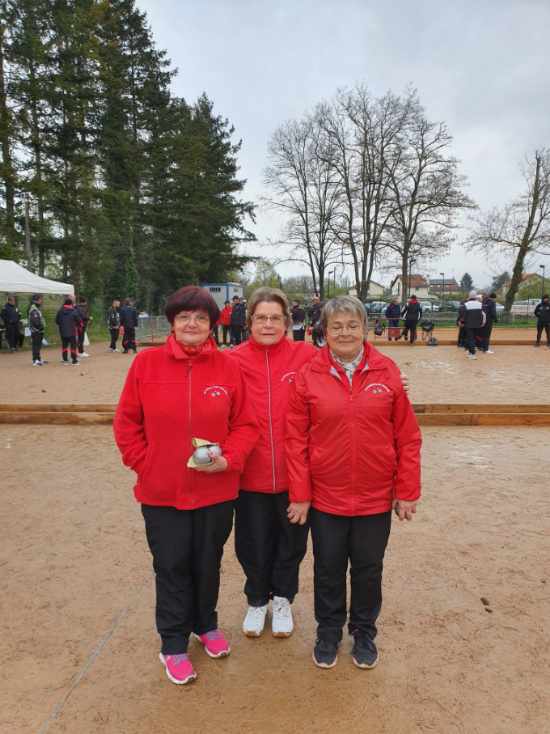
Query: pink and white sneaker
[
  {"x": 179, "y": 668},
  {"x": 215, "y": 644}
]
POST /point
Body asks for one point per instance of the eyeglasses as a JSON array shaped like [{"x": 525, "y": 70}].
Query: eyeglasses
[
  {"x": 352, "y": 327},
  {"x": 263, "y": 319},
  {"x": 185, "y": 317}
]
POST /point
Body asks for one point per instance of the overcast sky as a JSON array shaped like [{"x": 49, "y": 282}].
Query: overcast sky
[{"x": 479, "y": 66}]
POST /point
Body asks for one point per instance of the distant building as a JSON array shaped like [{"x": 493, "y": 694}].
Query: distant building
[
  {"x": 438, "y": 286},
  {"x": 528, "y": 280},
  {"x": 417, "y": 285},
  {"x": 375, "y": 290},
  {"x": 222, "y": 292}
]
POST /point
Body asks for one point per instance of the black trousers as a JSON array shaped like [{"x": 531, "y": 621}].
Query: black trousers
[
  {"x": 114, "y": 337},
  {"x": 410, "y": 326},
  {"x": 471, "y": 339},
  {"x": 299, "y": 335},
  {"x": 68, "y": 342},
  {"x": 360, "y": 541},
  {"x": 236, "y": 334},
  {"x": 12, "y": 335},
  {"x": 187, "y": 548},
  {"x": 36, "y": 343},
  {"x": 225, "y": 334},
  {"x": 129, "y": 339},
  {"x": 485, "y": 337},
  {"x": 540, "y": 329},
  {"x": 81, "y": 335},
  {"x": 269, "y": 547}
]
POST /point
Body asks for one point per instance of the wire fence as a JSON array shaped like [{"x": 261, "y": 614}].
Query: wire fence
[{"x": 152, "y": 328}]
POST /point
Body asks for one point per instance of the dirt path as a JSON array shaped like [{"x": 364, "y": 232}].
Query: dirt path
[
  {"x": 438, "y": 374},
  {"x": 79, "y": 649}
]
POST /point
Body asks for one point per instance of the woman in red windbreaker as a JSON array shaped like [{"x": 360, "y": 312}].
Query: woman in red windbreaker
[
  {"x": 269, "y": 546},
  {"x": 353, "y": 454},
  {"x": 183, "y": 390}
]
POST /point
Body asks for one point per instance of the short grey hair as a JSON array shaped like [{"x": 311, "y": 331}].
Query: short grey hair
[{"x": 343, "y": 304}]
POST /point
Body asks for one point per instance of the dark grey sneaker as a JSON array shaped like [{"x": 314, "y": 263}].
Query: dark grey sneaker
[
  {"x": 325, "y": 654},
  {"x": 364, "y": 652}
]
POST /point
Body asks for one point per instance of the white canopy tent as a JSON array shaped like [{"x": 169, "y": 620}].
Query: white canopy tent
[{"x": 15, "y": 278}]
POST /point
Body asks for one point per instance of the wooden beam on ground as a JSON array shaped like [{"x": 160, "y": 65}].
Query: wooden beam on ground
[
  {"x": 484, "y": 419},
  {"x": 57, "y": 408},
  {"x": 57, "y": 419},
  {"x": 457, "y": 408}
]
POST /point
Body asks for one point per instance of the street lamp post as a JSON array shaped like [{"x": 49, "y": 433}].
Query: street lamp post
[
  {"x": 442, "y": 291},
  {"x": 543, "y": 268},
  {"x": 412, "y": 260}
]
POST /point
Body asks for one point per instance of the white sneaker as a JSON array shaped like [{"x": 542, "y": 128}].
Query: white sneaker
[
  {"x": 282, "y": 624},
  {"x": 254, "y": 622},
  {"x": 489, "y": 351},
  {"x": 472, "y": 356},
  {"x": 84, "y": 354},
  {"x": 37, "y": 363}
]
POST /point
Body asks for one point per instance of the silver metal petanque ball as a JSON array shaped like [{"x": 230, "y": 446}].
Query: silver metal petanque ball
[{"x": 201, "y": 455}]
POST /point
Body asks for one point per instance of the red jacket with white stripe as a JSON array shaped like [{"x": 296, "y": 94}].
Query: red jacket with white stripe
[
  {"x": 352, "y": 449},
  {"x": 269, "y": 373},
  {"x": 170, "y": 398}
]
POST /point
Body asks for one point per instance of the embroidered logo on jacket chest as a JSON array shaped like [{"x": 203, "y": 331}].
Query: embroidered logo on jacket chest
[
  {"x": 215, "y": 391},
  {"x": 289, "y": 377},
  {"x": 377, "y": 388}
]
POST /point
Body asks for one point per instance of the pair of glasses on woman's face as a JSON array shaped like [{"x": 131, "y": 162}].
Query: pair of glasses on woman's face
[
  {"x": 353, "y": 327},
  {"x": 186, "y": 317},
  {"x": 263, "y": 319}
]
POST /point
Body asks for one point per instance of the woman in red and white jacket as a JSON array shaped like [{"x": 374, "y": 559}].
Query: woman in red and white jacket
[
  {"x": 183, "y": 390},
  {"x": 353, "y": 453},
  {"x": 269, "y": 547}
]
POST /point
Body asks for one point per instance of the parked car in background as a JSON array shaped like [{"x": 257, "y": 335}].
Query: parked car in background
[
  {"x": 451, "y": 306},
  {"x": 429, "y": 306},
  {"x": 499, "y": 307},
  {"x": 525, "y": 308},
  {"x": 376, "y": 307}
]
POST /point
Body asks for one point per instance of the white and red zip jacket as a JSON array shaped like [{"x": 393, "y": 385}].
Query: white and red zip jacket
[
  {"x": 168, "y": 399},
  {"x": 352, "y": 448},
  {"x": 269, "y": 372}
]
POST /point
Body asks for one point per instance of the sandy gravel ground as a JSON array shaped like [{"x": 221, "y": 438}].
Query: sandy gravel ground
[
  {"x": 464, "y": 636},
  {"x": 437, "y": 374}
]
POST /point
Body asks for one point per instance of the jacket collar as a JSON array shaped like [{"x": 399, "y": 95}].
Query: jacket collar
[
  {"x": 372, "y": 360},
  {"x": 175, "y": 351},
  {"x": 269, "y": 348}
]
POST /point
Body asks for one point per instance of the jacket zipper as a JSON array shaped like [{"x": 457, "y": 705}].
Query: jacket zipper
[
  {"x": 189, "y": 414},
  {"x": 273, "y": 476}
]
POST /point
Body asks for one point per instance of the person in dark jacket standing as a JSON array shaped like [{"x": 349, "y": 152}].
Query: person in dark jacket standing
[
  {"x": 298, "y": 322},
  {"x": 113, "y": 323},
  {"x": 392, "y": 313},
  {"x": 129, "y": 322},
  {"x": 10, "y": 316},
  {"x": 472, "y": 316},
  {"x": 489, "y": 307},
  {"x": 68, "y": 320},
  {"x": 542, "y": 312},
  {"x": 411, "y": 313},
  {"x": 37, "y": 326},
  {"x": 84, "y": 310},
  {"x": 238, "y": 321}
]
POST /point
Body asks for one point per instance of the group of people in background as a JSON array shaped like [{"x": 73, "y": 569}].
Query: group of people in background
[
  {"x": 123, "y": 318},
  {"x": 476, "y": 318}
]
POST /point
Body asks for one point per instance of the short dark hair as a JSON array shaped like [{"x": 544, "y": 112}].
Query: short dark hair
[
  {"x": 192, "y": 298},
  {"x": 493, "y": 295},
  {"x": 68, "y": 301},
  {"x": 225, "y": 303},
  {"x": 545, "y": 296},
  {"x": 236, "y": 298}
]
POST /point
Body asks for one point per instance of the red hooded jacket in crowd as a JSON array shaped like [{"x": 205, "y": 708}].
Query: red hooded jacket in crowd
[
  {"x": 352, "y": 449},
  {"x": 225, "y": 316},
  {"x": 170, "y": 397},
  {"x": 269, "y": 372}
]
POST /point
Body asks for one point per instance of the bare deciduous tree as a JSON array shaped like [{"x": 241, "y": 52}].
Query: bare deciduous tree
[
  {"x": 522, "y": 228},
  {"x": 303, "y": 187},
  {"x": 427, "y": 190}
]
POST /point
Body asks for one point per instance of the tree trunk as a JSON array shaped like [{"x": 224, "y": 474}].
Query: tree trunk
[{"x": 8, "y": 174}]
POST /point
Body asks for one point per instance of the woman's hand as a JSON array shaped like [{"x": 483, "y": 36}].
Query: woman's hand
[
  {"x": 403, "y": 509},
  {"x": 405, "y": 382},
  {"x": 218, "y": 464},
  {"x": 297, "y": 512}
]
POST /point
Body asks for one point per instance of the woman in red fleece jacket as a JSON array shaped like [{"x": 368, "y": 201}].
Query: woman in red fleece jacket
[
  {"x": 353, "y": 453},
  {"x": 183, "y": 390}
]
